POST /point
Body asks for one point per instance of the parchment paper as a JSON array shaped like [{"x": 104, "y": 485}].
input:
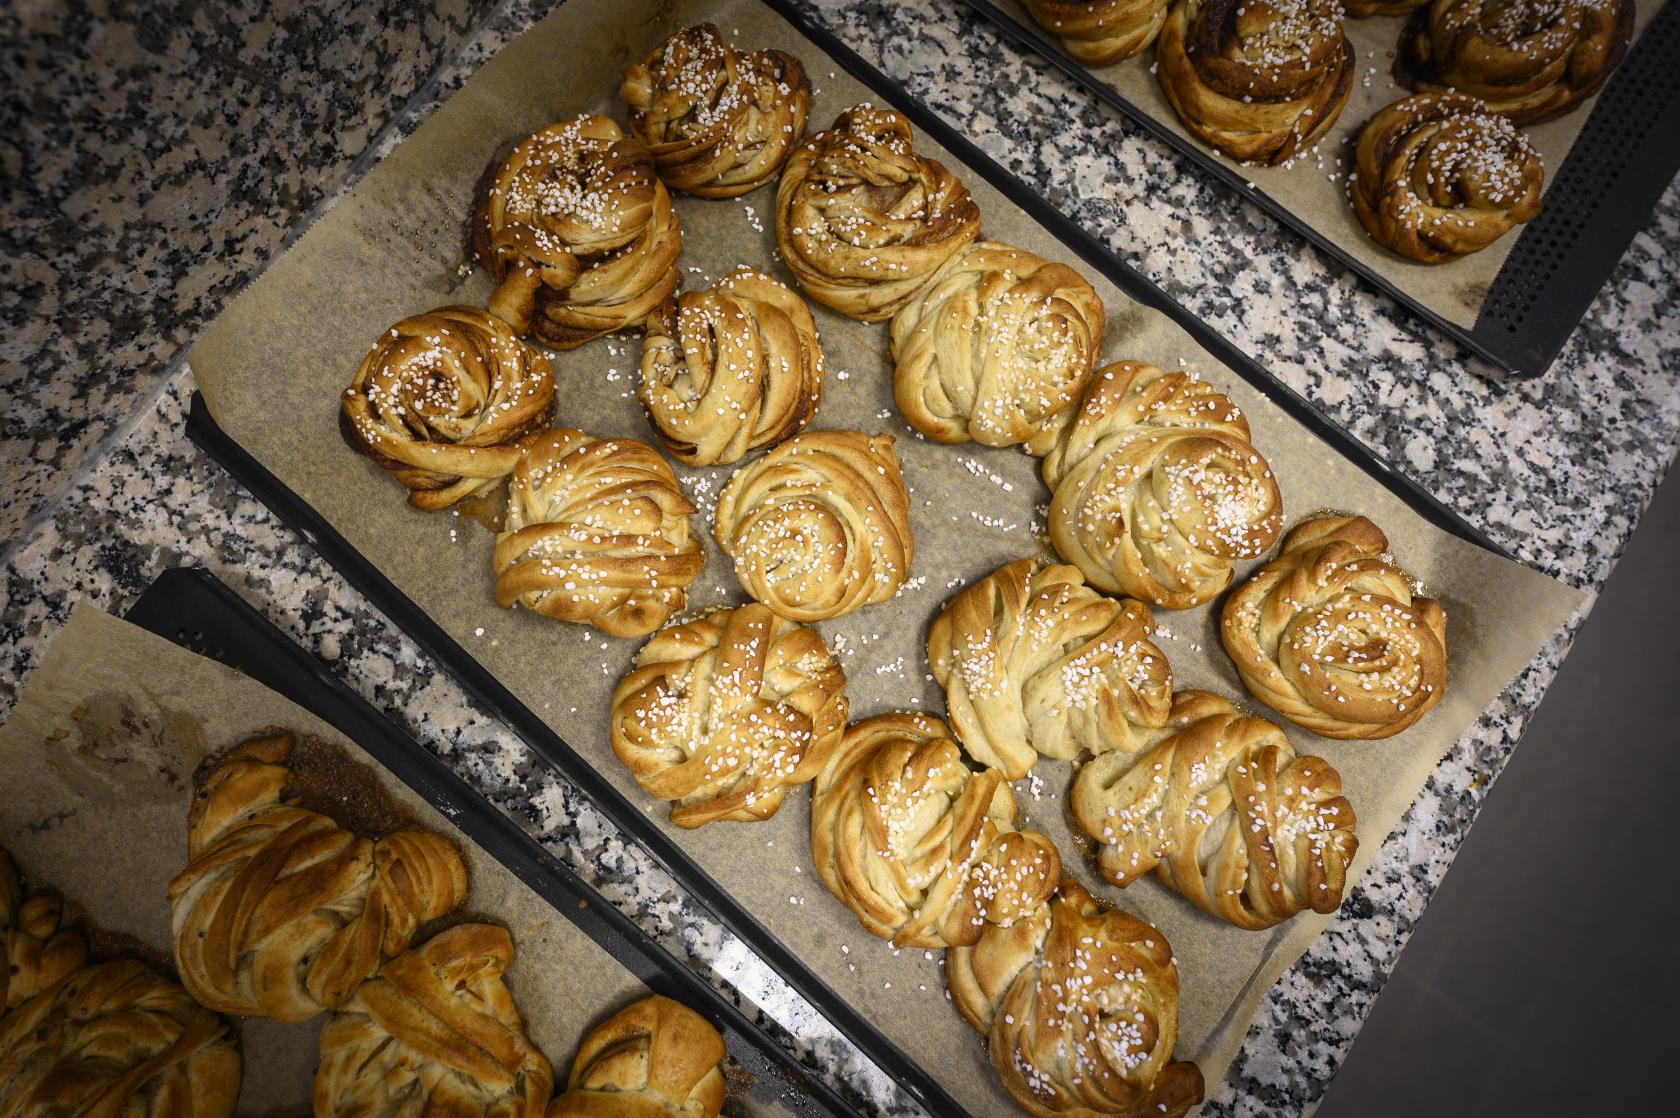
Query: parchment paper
[
  {"x": 108, "y": 732},
  {"x": 273, "y": 365},
  {"x": 1314, "y": 187}
]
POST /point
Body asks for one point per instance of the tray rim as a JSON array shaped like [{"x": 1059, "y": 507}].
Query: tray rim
[
  {"x": 194, "y": 597},
  {"x": 1607, "y": 225}
]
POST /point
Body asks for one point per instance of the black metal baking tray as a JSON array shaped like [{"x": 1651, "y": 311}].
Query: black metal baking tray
[
  {"x": 490, "y": 695},
  {"x": 194, "y": 610},
  {"x": 1597, "y": 201}
]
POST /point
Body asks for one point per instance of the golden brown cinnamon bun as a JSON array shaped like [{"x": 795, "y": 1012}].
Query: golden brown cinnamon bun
[
  {"x": 1438, "y": 176},
  {"x": 577, "y": 231},
  {"x": 723, "y": 714},
  {"x": 281, "y": 912},
  {"x": 37, "y": 950},
  {"x": 654, "y": 1059},
  {"x": 922, "y": 849},
  {"x": 819, "y": 526},
  {"x": 1331, "y": 635},
  {"x": 730, "y": 369},
  {"x": 444, "y": 400},
  {"x": 597, "y": 533},
  {"x": 1034, "y": 661},
  {"x": 1261, "y": 80},
  {"x": 718, "y": 121},
  {"x": 1226, "y": 814},
  {"x": 1079, "y": 1007},
  {"x": 435, "y": 1032},
  {"x": 1099, "y": 32},
  {"x": 996, "y": 347},
  {"x": 1529, "y": 60},
  {"x": 863, "y": 221}
]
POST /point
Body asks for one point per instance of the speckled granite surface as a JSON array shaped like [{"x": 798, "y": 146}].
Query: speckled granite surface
[{"x": 154, "y": 181}]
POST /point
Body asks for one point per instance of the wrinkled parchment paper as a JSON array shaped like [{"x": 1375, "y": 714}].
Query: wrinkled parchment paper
[
  {"x": 272, "y": 367},
  {"x": 1314, "y": 186},
  {"x": 102, "y": 746}
]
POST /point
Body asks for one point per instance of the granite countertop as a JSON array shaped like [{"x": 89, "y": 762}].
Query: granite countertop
[{"x": 155, "y": 160}]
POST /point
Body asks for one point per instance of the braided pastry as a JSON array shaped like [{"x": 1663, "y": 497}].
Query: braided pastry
[
  {"x": 1100, "y": 32},
  {"x": 1035, "y": 661},
  {"x": 1438, "y": 176},
  {"x": 1155, "y": 489},
  {"x": 577, "y": 231},
  {"x": 996, "y": 347},
  {"x": 443, "y": 401},
  {"x": 862, "y": 221},
  {"x": 653, "y": 1059},
  {"x": 281, "y": 912},
  {"x": 1224, "y": 812},
  {"x": 923, "y": 850},
  {"x": 718, "y": 122},
  {"x": 435, "y": 1032},
  {"x": 1365, "y": 9},
  {"x": 597, "y": 533},
  {"x": 1261, "y": 80},
  {"x": 1331, "y": 635},
  {"x": 733, "y": 368},
  {"x": 723, "y": 714},
  {"x": 1079, "y": 1007},
  {"x": 36, "y": 950},
  {"x": 117, "y": 1039},
  {"x": 819, "y": 526},
  {"x": 1530, "y": 60}
]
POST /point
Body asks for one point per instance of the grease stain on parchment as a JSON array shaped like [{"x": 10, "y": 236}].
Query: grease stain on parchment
[{"x": 129, "y": 742}]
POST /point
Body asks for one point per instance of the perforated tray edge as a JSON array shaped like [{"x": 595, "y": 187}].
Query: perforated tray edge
[
  {"x": 191, "y": 608},
  {"x": 1597, "y": 203}
]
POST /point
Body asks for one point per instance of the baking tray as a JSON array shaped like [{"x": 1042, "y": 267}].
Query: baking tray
[
  {"x": 194, "y": 610},
  {"x": 1594, "y": 205},
  {"x": 633, "y": 818}
]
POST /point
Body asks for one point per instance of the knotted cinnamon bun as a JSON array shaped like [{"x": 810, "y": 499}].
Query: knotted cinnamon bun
[
  {"x": 1224, "y": 812},
  {"x": 863, "y": 221},
  {"x": 1331, "y": 635},
  {"x": 1261, "y": 80},
  {"x": 653, "y": 1059},
  {"x": 996, "y": 347},
  {"x": 718, "y": 121},
  {"x": 730, "y": 369},
  {"x": 597, "y": 533},
  {"x": 723, "y": 714},
  {"x": 577, "y": 231},
  {"x": 1035, "y": 661},
  {"x": 444, "y": 400},
  {"x": 1099, "y": 32}
]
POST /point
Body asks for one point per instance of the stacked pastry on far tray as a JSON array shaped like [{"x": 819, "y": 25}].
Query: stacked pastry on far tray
[
  {"x": 1439, "y": 174},
  {"x": 1157, "y": 495}
]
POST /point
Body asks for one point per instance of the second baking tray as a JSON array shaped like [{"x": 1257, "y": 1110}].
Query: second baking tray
[{"x": 1594, "y": 204}]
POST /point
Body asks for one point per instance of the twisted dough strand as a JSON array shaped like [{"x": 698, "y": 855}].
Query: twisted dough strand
[
  {"x": 862, "y": 221},
  {"x": 723, "y": 714},
  {"x": 1100, "y": 32},
  {"x": 1079, "y": 1006},
  {"x": 996, "y": 348},
  {"x": 1330, "y": 634},
  {"x": 435, "y": 1032},
  {"x": 37, "y": 950},
  {"x": 653, "y": 1059},
  {"x": 1226, "y": 814},
  {"x": 597, "y": 533},
  {"x": 819, "y": 526},
  {"x": 1035, "y": 661},
  {"x": 1261, "y": 80},
  {"x": 718, "y": 122},
  {"x": 730, "y": 369},
  {"x": 922, "y": 850},
  {"x": 577, "y": 231},
  {"x": 443, "y": 401},
  {"x": 281, "y": 912}
]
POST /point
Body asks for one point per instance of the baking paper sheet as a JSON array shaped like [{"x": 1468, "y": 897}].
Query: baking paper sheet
[
  {"x": 273, "y": 365},
  {"x": 103, "y": 743},
  {"x": 1314, "y": 187}
]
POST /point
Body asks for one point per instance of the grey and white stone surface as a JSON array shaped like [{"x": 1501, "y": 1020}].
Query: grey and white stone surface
[{"x": 155, "y": 156}]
